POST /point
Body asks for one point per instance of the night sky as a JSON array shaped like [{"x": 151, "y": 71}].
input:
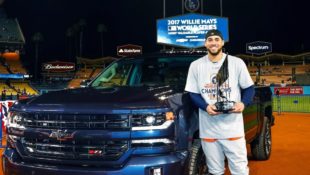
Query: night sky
[{"x": 282, "y": 22}]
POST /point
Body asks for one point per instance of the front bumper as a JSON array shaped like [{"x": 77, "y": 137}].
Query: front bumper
[{"x": 170, "y": 164}]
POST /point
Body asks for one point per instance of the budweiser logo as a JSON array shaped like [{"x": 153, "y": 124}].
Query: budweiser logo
[
  {"x": 58, "y": 66},
  {"x": 50, "y": 66}
]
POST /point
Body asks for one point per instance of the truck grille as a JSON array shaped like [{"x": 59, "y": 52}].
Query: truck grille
[
  {"x": 75, "y": 149},
  {"x": 80, "y": 121}
]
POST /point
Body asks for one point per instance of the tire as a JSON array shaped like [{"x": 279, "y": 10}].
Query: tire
[
  {"x": 196, "y": 162},
  {"x": 4, "y": 169},
  {"x": 261, "y": 146}
]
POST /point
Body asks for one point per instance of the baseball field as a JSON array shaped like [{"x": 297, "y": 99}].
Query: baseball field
[{"x": 292, "y": 103}]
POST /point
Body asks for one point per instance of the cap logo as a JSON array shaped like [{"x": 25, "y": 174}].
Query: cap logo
[{"x": 214, "y": 33}]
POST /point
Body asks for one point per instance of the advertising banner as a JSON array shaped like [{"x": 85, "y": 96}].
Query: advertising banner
[
  {"x": 129, "y": 50},
  {"x": 58, "y": 66},
  {"x": 13, "y": 76},
  {"x": 294, "y": 90},
  {"x": 189, "y": 30},
  {"x": 258, "y": 47}
]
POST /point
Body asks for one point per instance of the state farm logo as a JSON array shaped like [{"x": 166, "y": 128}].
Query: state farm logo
[
  {"x": 129, "y": 50},
  {"x": 58, "y": 66}
]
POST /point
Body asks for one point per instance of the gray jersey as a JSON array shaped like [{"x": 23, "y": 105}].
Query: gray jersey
[{"x": 201, "y": 79}]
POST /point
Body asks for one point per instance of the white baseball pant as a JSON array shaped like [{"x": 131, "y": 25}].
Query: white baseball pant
[{"x": 235, "y": 152}]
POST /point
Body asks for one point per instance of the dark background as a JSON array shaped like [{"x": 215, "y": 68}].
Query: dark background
[{"x": 282, "y": 22}]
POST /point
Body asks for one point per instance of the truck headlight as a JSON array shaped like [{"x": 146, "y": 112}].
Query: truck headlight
[
  {"x": 15, "y": 120},
  {"x": 15, "y": 128},
  {"x": 152, "y": 121}
]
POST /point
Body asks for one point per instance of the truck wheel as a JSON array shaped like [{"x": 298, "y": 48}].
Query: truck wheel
[
  {"x": 4, "y": 169},
  {"x": 261, "y": 146},
  {"x": 196, "y": 164}
]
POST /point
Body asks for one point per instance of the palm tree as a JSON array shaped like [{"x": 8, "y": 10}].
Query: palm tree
[
  {"x": 101, "y": 28},
  {"x": 37, "y": 38},
  {"x": 69, "y": 36},
  {"x": 82, "y": 24},
  {"x": 76, "y": 31}
]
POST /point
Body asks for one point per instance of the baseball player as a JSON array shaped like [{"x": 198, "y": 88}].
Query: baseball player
[{"x": 222, "y": 134}]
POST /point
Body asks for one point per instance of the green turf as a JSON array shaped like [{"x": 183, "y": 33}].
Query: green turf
[{"x": 292, "y": 103}]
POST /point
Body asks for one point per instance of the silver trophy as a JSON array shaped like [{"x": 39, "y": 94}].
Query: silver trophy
[{"x": 223, "y": 104}]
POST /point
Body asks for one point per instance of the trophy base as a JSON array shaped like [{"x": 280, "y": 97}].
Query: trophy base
[{"x": 224, "y": 106}]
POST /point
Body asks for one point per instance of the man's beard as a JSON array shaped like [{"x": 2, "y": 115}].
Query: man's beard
[{"x": 215, "y": 53}]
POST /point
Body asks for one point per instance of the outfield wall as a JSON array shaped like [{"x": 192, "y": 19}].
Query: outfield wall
[
  {"x": 306, "y": 89},
  {"x": 296, "y": 100}
]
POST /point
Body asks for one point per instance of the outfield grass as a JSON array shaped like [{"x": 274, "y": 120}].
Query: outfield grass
[{"x": 292, "y": 103}]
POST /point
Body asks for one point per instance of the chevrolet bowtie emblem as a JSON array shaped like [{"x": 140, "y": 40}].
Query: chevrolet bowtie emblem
[{"x": 61, "y": 135}]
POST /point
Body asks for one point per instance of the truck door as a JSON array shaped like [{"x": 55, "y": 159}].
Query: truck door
[{"x": 251, "y": 117}]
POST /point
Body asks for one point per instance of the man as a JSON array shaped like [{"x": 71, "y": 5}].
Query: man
[
  {"x": 283, "y": 84},
  {"x": 222, "y": 134}
]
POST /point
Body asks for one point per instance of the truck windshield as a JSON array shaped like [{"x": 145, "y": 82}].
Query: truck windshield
[{"x": 145, "y": 71}]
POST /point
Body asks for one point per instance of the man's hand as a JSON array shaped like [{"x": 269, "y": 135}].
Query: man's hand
[
  {"x": 238, "y": 108},
  {"x": 211, "y": 110}
]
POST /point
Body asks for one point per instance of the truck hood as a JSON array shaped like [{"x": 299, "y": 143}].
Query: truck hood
[{"x": 108, "y": 100}]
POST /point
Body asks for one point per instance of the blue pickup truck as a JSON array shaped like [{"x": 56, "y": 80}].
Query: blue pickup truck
[{"x": 134, "y": 118}]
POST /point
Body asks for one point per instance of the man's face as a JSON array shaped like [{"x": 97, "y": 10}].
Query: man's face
[{"x": 214, "y": 45}]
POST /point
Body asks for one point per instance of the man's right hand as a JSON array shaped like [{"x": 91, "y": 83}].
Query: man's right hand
[{"x": 211, "y": 110}]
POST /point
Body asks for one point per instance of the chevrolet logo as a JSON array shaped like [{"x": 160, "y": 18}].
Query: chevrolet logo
[{"x": 61, "y": 135}]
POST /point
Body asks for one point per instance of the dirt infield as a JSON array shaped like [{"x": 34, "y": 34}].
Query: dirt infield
[{"x": 290, "y": 147}]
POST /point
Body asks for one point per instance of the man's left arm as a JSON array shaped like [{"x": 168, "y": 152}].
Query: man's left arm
[{"x": 247, "y": 95}]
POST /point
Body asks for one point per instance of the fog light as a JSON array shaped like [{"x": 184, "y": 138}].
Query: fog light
[
  {"x": 150, "y": 120},
  {"x": 156, "y": 171}
]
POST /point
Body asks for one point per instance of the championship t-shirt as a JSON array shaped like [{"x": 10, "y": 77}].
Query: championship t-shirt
[{"x": 201, "y": 79}]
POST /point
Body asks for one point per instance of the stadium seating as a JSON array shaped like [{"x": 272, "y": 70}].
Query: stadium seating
[
  {"x": 24, "y": 87},
  {"x": 3, "y": 70},
  {"x": 16, "y": 67},
  {"x": 83, "y": 74},
  {"x": 6, "y": 89},
  {"x": 75, "y": 83},
  {"x": 95, "y": 72}
]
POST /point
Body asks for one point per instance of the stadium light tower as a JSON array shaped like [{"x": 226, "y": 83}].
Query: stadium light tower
[
  {"x": 164, "y": 8},
  {"x": 37, "y": 38},
  {"x": 164, "y": 16},
  {"x": 221, "y": 7}
]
